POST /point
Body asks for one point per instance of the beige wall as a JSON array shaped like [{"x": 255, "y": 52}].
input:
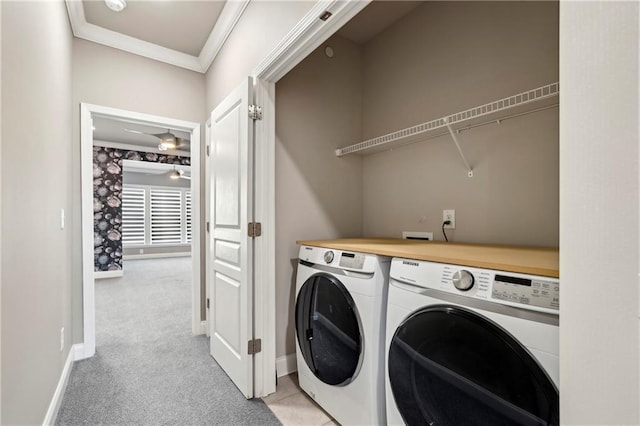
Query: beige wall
[
  {"x": 114, "y": 78},
  {"x": 36, "y": 180},
  {"x": 442, "y": 58},
  {"x": 318, "y": 195},
  {"x": 262, "y": 26},
  {"x": 599, "y": 359}
]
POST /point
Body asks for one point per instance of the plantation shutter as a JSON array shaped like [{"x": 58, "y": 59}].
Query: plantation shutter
[
  {"x": 187, "y": 204},
  {"x": 166, "y": 217},
  {"x": 133, "y": 215}
]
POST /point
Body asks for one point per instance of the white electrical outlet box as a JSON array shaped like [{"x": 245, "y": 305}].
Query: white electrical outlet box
[
  {"x": 449, "y": 215},
  {"x": 61, "y": 339},
  {"x": 417, "y": 235}
]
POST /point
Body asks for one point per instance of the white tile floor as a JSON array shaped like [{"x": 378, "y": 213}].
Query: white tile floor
[{"x": 293, "y": 407}]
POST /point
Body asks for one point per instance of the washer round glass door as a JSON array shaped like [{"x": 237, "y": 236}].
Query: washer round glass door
[
  {"x": 329, "y": 330},
  {"x": 451, "y": 366}
]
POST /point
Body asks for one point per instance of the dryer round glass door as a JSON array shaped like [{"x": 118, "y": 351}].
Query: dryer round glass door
[
  {"x": 329, "y": 330},
  {"x": 451, "y": 366}
]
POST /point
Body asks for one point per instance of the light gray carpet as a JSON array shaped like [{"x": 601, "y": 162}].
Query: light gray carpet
[{"x": 148, "y": 368}]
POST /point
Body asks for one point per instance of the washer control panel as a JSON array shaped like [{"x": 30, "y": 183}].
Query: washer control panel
[
  {"x": 532, "y": 292},
  {"x": 328, "y": 256},
  {"x": 344, "y": 260}
]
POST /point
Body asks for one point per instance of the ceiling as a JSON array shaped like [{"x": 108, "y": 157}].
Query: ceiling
[
  {"x": 375, "y": 18},
  {"x": 113, "y": 131},
  {"x": 179, "y": 25},
  {"x": 190, "y": 33},
  {"x": 185, "y": 33},
  {"x": 197, "y": 31}
]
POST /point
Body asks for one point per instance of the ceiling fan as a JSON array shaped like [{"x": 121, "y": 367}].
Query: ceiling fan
[{"x": 167, "y": 140}]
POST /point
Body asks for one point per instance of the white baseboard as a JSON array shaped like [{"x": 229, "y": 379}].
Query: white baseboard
[
  {"x": 154, "y": 255},
  {"x": 107, "y": 274},
  {"x": 286, "y": 365},
  {"x": 54, "y": 406},
  {"x": 78, "y": 352}
]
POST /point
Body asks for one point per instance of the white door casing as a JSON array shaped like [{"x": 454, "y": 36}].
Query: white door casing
[
  {"x": 309, "y": 33},
  {"x": 87, "y": 112},
  {"x": 231, "y": 299}
]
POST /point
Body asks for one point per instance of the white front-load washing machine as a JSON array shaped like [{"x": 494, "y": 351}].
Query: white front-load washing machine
[
  {"x": 340, "y": 321},
  {"x": 471, "y": 346}
]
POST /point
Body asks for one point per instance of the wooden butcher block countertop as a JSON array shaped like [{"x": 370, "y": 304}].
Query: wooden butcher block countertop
[{"x": 525, "y": 260}]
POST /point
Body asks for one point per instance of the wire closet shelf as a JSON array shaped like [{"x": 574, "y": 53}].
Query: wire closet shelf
[{"x": 519, "y": 104}]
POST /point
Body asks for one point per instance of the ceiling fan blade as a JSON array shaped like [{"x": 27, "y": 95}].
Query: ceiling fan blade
[
  {"x": 180, "y": 142},
  {"x": 136, "y": 131}
]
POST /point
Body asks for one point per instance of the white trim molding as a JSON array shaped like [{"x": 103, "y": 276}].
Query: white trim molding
[
  {"x": 78, "y": 352},
  {"x": 286, "y": 365},
  {"x": 155, "y": 255},
  {"x": 309, "y": 33},
  {"x": 99, "y": 275},
  {"x": 87, "y": 112},
  {"x": 56, "y": 400},
  {"x": 227, "y": 20}
]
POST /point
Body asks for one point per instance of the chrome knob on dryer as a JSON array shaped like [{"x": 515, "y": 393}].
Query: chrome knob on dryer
[
  {"x": 463, "y": 280},
  {"x": 328, "y": 256}
]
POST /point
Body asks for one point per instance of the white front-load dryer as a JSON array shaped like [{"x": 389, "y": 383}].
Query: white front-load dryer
[
  {"x": 471, "y": 346},
  {"x": 340, "y": 321}
]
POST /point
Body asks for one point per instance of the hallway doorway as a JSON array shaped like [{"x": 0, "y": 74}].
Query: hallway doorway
[{"x": 109, "y": 138}]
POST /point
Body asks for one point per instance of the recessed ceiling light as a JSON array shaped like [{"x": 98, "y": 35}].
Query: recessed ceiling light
[{"x": 116, "y": 5}]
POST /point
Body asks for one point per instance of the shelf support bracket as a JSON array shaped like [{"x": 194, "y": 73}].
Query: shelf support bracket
[{"x": 457, "y": 142}]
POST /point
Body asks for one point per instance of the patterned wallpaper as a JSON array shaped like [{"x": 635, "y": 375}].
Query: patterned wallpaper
[{"x": 107, "y": 201}]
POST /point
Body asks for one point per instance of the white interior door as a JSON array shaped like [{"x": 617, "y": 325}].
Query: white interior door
[{"x": 231, "y": 308}]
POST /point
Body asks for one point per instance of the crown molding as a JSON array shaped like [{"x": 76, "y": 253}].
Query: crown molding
[
  {"x": 227, "y": 20},
  {"x": 306, "y": 36},
  {"x": 229, "y": 17}
]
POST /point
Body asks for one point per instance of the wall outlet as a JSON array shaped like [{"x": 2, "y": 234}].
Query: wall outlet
[
  {"x": 61, "y": 339},
  {"x": 449, "y": 215},
  {"x": 141, "y": 251}
]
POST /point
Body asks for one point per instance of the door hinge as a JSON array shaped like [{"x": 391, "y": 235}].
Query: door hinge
[
  {"x": 255, "y": 229},
  {"x": 207, "y": 303},
  {"x": 255, "y": 112},
  {"x": 208, "y": 153},
  {"x": 255, "y": 346},
  {"x": 207, "y": 226}
]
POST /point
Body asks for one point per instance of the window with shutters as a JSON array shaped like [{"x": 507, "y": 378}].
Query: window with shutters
[
  {"x": 155, "y": 215},
  {"x": 166, "y": 216},
  {"x": 187, "y": 208},
  {"x": 133, "y": 215}
]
